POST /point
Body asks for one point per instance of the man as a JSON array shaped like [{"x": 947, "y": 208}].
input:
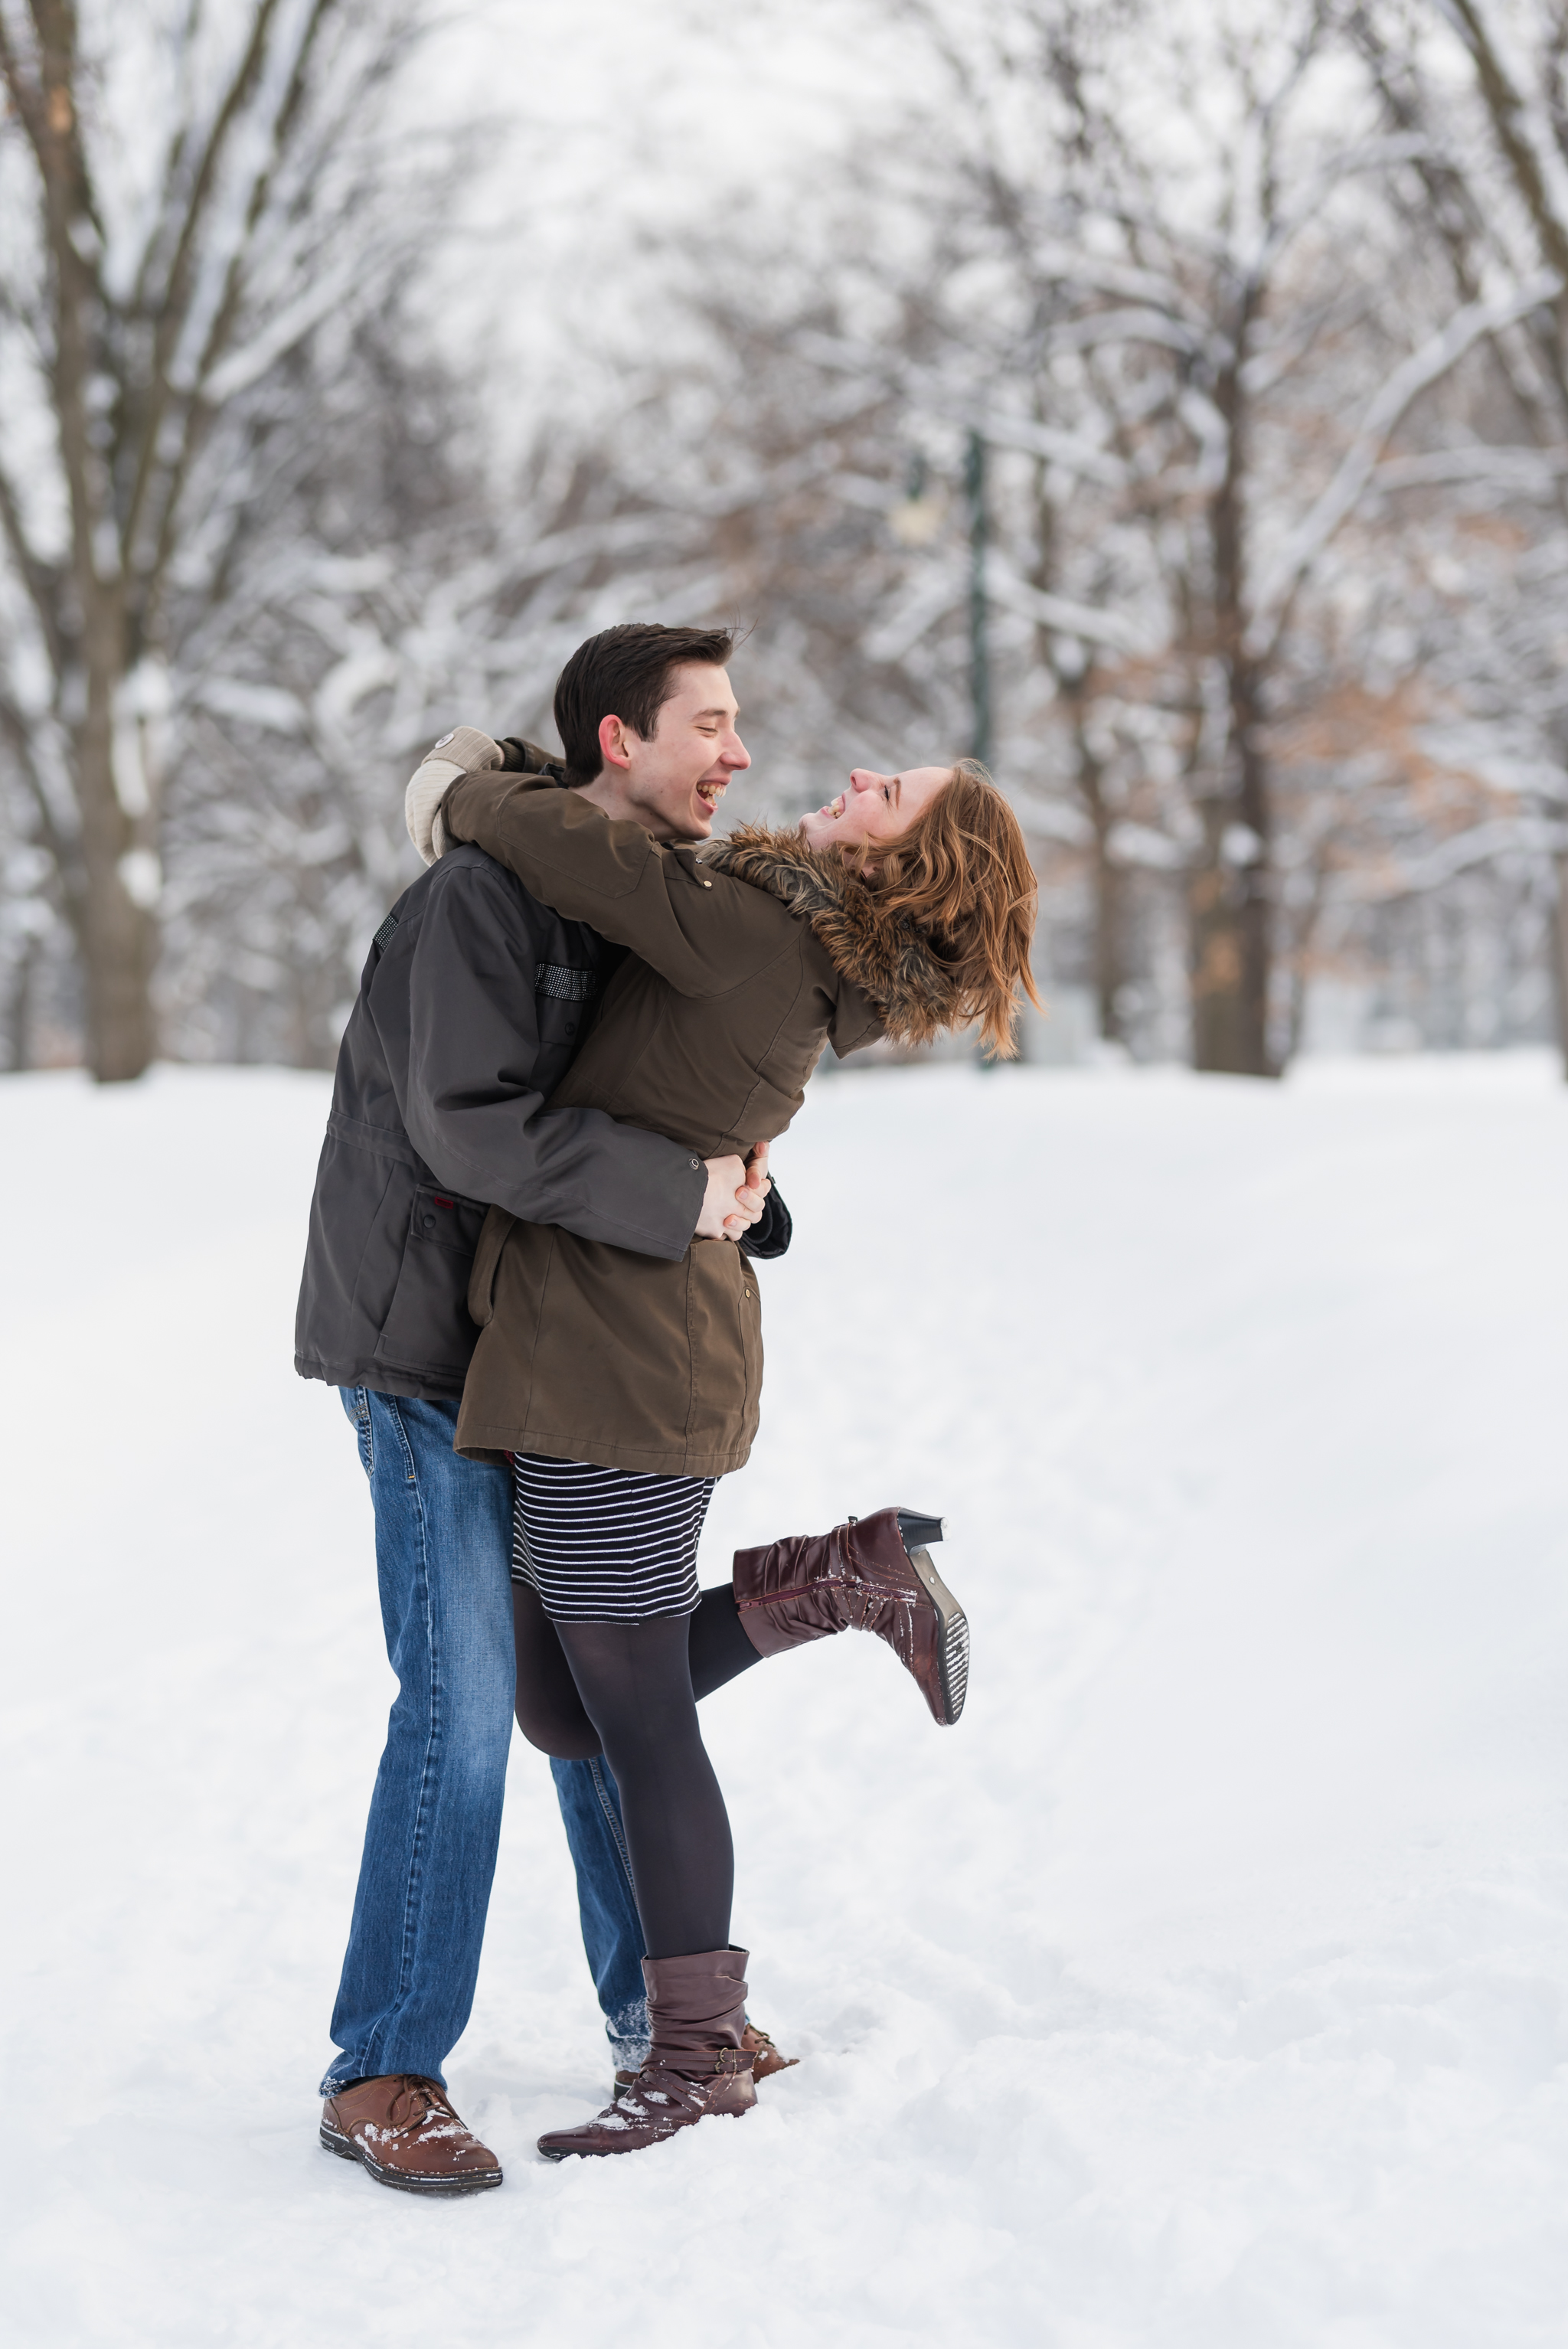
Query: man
[{"x": 471, "y": 1007}]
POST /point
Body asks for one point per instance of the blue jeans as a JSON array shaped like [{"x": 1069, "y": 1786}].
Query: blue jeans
[
  {"x": 606, "y": 1902},
  {"x": 443, "y": 1560}
]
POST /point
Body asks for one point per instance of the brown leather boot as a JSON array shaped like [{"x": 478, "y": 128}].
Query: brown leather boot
[
  {"x": 696, "y": 2064},
  {"x": 765, "y": 2056},
  {"x": 401, "y": 2128},
  {"x": 862, "y": 1576}
]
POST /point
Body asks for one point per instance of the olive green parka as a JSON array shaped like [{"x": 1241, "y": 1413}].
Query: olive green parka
[{"x": 746, "y": 957}]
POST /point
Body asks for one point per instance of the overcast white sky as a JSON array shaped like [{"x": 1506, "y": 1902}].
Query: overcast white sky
[{"x": 623, "y": 114}]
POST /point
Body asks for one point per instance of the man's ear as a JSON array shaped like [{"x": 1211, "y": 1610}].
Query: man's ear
[{"x": 613, "y": 748}]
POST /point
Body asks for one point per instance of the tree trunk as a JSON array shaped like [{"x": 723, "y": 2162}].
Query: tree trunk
[
  {"x": 1229, "y": 896},
  {"x": 112, "y": 894},
  {"x": 19, "y": 1009},
  {"x": 1109, "y": 889},
  {"x": 1559, "y": 937},
  {"x": 1072, "y": 677},
  {"x": 1109, "y": 929},
  {"x": 1231, "y": 921},
  {"x": 116, "y": 936}
]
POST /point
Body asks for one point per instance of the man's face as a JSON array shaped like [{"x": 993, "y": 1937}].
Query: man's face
[{"x": 671, "y": 780}]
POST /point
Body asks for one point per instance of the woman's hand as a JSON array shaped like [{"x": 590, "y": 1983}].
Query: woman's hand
[
  {"x": 756, "y": 1190},
  {"x": 736, "y": 1196},
  {"x": 464, "y": 751}
]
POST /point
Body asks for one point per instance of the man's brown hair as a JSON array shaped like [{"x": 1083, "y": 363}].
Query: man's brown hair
[
  {"x": 962, "y": 873},
  {"x": 625, "y": 672}
]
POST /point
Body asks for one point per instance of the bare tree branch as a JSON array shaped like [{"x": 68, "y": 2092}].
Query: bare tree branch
[
  {"x": 1384, "y": 414},
  {"x": 175, "y": 294}
]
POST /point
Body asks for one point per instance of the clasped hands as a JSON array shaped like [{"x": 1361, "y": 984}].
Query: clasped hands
[{"x": 736, "y": 1194}]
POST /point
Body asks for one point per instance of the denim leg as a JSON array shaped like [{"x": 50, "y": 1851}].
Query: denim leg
[
  {"x": 443, "y": 1559},
  {"x": 612, "y": 1930}
]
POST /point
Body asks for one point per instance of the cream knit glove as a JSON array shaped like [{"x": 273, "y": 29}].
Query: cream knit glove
[{"x": 464, "y": 751}]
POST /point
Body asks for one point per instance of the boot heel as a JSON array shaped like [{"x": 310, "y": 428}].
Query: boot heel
[
  {"x": 952, "y": 1639},
  {"x": 917, "y": 1531}
]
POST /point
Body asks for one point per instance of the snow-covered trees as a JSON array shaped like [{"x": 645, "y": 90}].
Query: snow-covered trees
[
  {"x": 1192, "y": 283},
  {"x": 1193, "y": 388},
  {"x": 383, "y": 591},
  {"x": 190, "y": 193},
  {"x": 255, "y": 551},
  {"x": 1493, "y": 167}
]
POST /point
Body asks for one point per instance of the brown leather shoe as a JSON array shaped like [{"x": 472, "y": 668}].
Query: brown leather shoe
[
  {"x": 765, "y": 2056},
  {"x": 403, "y": 2130},
  {"x": 862, "y": 1576},
  {"x": 696, "y": 2064}
]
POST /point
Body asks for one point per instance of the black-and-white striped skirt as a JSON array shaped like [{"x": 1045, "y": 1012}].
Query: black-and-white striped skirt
[{"x": 607, "y": 1544}]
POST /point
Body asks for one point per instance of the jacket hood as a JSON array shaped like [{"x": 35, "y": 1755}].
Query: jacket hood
[{"x": 889, "y": 959}]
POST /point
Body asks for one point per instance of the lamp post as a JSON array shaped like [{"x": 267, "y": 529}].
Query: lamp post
[{"x": 979, "y": 633}]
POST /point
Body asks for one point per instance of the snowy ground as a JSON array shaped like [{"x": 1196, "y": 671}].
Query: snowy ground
[{"x": 1204, "y": 1990}]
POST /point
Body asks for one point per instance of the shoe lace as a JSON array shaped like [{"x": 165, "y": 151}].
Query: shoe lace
[{"x": 417, "y": 2101}]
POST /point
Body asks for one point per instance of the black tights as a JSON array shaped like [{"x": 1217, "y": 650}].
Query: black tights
[
  {"x": 629, "y": 1691},
  {"x": 550, "y": 1708}
]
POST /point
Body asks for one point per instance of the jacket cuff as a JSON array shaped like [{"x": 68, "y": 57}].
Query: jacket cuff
[
  {"x": 520, "y": 757},
  {"x": 670, "y": 1187}
]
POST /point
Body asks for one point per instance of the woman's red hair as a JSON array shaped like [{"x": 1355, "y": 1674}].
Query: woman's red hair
[{"x": 962, "y": 873}]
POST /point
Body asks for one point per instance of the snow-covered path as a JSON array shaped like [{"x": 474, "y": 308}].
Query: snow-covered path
[{"x": 1204, "y": 1990}]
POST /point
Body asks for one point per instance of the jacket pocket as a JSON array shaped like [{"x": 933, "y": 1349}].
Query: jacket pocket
[
  {"x": 426, "y": 1326},
  {"x": 498, "y": 1225},
  {"x": 724, "y": 1335}
]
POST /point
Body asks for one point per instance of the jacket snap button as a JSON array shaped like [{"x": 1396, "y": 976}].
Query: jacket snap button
[{"x": 430, "y": 1222}]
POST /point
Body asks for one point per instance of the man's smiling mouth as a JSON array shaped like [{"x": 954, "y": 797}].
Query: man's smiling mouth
[{"x": 711, "y": 793}]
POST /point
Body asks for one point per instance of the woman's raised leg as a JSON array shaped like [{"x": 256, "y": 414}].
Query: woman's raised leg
[{"x": 721, "y": 1649}]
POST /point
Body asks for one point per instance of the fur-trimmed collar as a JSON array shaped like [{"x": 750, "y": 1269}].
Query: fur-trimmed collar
[{"x": 889, "y": 959}]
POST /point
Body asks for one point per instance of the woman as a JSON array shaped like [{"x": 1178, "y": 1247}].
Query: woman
[{"x": 624, "y": 1386}]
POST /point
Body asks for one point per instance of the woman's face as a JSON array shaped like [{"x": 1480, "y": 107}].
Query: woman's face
[{"x": 875, "y": 809}]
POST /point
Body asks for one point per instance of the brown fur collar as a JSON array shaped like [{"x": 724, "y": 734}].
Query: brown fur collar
[{"x": 887, "y": 958}]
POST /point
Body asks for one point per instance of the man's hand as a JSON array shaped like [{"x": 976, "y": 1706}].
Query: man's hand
[{"x": 735, "y": 1197}]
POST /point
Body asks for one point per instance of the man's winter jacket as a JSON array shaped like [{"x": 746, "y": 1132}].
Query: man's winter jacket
[{"x": 472, "y": 1008}]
